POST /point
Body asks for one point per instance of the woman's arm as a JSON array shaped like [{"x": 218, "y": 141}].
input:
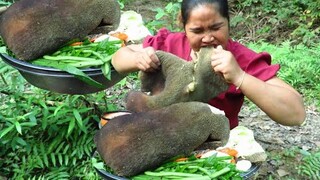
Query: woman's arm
[
  {"x": 277, "y": 99},
  {"x": 133, "y": 58}
]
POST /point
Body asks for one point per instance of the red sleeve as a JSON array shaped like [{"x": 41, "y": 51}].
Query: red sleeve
[
  {"x": 172, "y": 42},
  {"x": 157, "y": 41},
  {"x": 256, "y": 64},
  {"x": 261, "y": 67}
]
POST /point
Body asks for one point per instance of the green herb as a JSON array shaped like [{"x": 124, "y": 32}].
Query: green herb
[
  {"x": 73, "y": 59},
  {"x": 205, "y": 168}
]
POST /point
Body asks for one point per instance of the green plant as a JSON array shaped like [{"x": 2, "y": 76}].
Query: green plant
[
  {"x": 305, "y": 163},
  {"x": 44, "y": 134},
  {"x": 164, "y": 17},
  {"x": 6, "y": 3},
  {"x": 276, "y": 20},
  {"x": 122, "y": 3},
  {"x": 300, "y": 66},
  {"x": 310, "y": 165}
]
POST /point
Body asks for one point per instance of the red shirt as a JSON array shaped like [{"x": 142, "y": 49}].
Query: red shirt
[{"x": 230, "y": 101}]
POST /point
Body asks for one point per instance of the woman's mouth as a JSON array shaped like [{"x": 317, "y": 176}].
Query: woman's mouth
[{"x": 210, "y": 45}]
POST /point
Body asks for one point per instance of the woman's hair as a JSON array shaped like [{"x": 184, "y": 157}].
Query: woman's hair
[{"x": 188, "y": 5}]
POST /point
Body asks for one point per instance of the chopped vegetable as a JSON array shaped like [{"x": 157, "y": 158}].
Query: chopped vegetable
[
  {"x": 80, "y": 42},
  {"x": 187, "y": 158},
  {"x": 76, "y": 44},
  {"x": 103, "y": 122},
  {"x": 119, "y": 35},
  {"x": 229, "y": 151},
  {"x": 192, "y": 167},
  {"x": 78, "y": 55},
  {"x": 110, "y": 115},
  {"x": 181, "y": 159}
]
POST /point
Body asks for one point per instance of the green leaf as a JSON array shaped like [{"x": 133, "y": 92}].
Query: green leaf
[
  {"x": 87, "y": 149},
  {"x": 60, "y": 159},
  {"x": 53, "y": 159},
  {"x": 159, "y": 15},
  {"x": 3, "y": 3},
  {"x": 32, "y": 118},
  {"x": 44, "y": 123},
  {"x": 98, "y": 165},
  {"x": 106, "y": 70},
  {"x": 71, "y": 126},
  {"x": 60, "y": 147},
  {"x": 58, "y": 109},
  {"x": 44, "y": 155},
  {"x": 18, "y": 127},
  {"x": 21, "y": 141},
  {"x": 6, "y": 130},
  {"x": 43, "y": 104},
  {"x": 66, "y": 159},
  {"x": 45, "y": 159},
  {"x": 3, "y": 50},
  {"x": 74, "y": 161},
  {"x": 80, "y": 75},
  {"x": 39, "y": 161},
  {"x": 66, "y": 148},
  {"x": 78, "y": 117},
  {"x": 28, "y": 124}
]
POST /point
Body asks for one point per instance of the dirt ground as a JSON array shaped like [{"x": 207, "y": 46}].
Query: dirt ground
[
  {"x": 278, "y": 140},
  {"x": 274, "y": 138}
]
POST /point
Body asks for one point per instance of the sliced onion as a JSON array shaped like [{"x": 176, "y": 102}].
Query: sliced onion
[{"x": 243, "y": 165}]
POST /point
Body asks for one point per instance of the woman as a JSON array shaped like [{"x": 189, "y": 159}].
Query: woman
[{"x": 250, "y": 74}]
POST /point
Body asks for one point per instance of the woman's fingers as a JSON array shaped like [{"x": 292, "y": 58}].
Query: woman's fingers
[
  {"x": 148, "y": 61},
  {"x": 152, "y": 55},
  {"x": 217, "y": 59},
  {"x": 218, "y": 49},
  {"x": 216, "y": 65},
  {"x": 223, "y": 62},
  {"x": 153, "y": 60}
]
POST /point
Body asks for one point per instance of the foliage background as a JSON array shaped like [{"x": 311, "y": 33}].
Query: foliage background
[{"x": 44, "y": 135}]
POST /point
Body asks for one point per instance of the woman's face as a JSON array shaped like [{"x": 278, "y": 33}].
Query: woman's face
[{"x": 206, "y": 27}]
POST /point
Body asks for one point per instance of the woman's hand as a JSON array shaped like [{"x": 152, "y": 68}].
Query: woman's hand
[
  {"x": 223, "y": 62},
  {"x": 146, "y": 60},
  {"x": 134, "y": 57}
]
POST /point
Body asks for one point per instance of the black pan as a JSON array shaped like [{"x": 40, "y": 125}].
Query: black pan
[{"x": 60, "y": 81}]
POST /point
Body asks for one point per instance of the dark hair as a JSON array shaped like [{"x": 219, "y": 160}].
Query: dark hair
[{"x": 188, "y": 5}]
